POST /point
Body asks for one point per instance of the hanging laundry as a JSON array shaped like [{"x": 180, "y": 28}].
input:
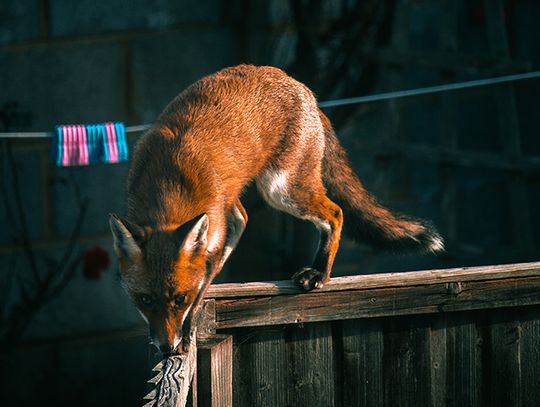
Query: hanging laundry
[{"x": 78, "y": 145}]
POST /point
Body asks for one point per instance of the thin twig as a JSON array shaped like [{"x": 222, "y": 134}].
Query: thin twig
[
  {"x": 57, "y": 277},
  {"x": 25, "y": 236}
]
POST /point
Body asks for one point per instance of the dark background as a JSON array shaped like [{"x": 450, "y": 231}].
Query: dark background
[{"x": 467, "y": 160}]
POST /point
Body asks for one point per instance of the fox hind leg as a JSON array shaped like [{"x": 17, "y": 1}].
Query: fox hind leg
[
  {"x": 328, "y": 218},
  {"x": 304, "y": 197}
]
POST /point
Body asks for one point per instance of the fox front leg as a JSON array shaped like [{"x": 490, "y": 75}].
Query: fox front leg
[{"x": 236, "y": 224}]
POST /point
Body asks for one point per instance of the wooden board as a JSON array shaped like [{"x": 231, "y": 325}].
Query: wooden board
[
  {"x": 260, "y": 368},
  {"x": 310, "y": 366},
  {"x": 406, "y": 363},
  {"x": 504, "y": 378},
  {"x": 438, "y": 360},
  {"x": 464, "y": 360},
  {"x": 362, "y": 354},
  {"x": 422, "y": 299},
  {"x": 530, "y": 356},
  {"x": 457, "y": 359},
  {"x": 214, "y": 366},
  {"x": 461, "y": 274},
  {"x": 173, "y": 380}
]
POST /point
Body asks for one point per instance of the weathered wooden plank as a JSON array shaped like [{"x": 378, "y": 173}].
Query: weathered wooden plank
[
  {"x": 311, "y": 373},
  {"x": 241, "y": 374},
  {"x": 422, "y": 299},
  {"x": 214, "y": 367},
  {"x": 464, "y": 366},
  {"x": 192, "y": 399},
  {"x": 172, "y": 380},
  {"x": 406, "y": 363},
  {"x": 233, "y": 290},
  {"x": 260, "y": 368},
  {"x": 362, "y": 376},
  {"x": 438, "y": 362},
  {"x": 206, "y": 321},
  {"x": 504, "y": 377},
  {"x": 530, "y": 356}
]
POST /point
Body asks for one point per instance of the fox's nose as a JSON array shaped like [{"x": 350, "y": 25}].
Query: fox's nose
[{"x": 166, "y": 348}]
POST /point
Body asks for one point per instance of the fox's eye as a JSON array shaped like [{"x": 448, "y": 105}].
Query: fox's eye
[
  {"x": 145, "y": 300},
  {"x": 179, "y": 299}
]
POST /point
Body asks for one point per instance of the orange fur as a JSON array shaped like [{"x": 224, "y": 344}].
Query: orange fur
[{"x": 238, "y": 125}]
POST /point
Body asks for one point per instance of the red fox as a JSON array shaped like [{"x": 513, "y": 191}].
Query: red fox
[{"x": 242, "y": 124}]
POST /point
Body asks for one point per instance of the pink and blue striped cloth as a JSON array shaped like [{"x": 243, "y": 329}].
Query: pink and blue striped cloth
[{"x": 76, "y": 145}]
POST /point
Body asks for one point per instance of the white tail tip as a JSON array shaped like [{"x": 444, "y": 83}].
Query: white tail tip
[{"x": 436, "y": 245}]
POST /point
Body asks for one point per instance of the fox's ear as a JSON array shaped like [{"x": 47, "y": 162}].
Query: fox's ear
[
  {"x": 128, "y": 237},
  {"x": 193, "y": 233}
]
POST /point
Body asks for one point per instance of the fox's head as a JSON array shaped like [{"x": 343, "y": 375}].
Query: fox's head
[{"x": 163, "y": 272}]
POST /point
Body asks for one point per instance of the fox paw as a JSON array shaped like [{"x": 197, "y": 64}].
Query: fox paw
[
  {"x": 309, "y": 278},
  {"x": 188, "y": 336},
  {"x": 186, "y": 345}
]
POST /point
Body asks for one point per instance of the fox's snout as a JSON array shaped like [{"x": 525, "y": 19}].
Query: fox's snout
[
  {"x": 166, "y": 329},
  {"x": 168, "y": 318},
  {"x": 166, "y": 343},
  {"x": 166, "y": 349}
]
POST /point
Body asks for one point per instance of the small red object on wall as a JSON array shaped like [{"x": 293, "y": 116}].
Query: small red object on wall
[{"x": 96, "y": 261}]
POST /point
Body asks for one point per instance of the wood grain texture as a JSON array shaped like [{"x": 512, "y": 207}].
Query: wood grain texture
[
  {"x": 214, "y": 367},
  {"x": 260, "y": 368},
  {"x": 192, "y": 399},
  {"x": 362, "y": 354},
  {"x": 438, "y": 362},
  {"x": 172, "y": 381},
  {"x": 472, "y": 358},
  {"x": 206, "y": 320},
  {"x": 530, "y": 356},
  {"x": 511, "y": 357},
  {"x": 402, "y": 341},
  {"x": 337, "y": 305},
  {"x": 406, "y": 364},
  {"x": 383, "y": 280},
  {"x": 311, "y": 376},
  {"x": 464, "y": 360},
  {"x": 504, "y": 341}
]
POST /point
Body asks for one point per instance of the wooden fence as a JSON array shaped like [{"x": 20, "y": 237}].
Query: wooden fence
[{"x": 454, "y": 337}]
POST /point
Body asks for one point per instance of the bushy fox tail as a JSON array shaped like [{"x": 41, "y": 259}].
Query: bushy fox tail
[{"x": 364, "y": 219}]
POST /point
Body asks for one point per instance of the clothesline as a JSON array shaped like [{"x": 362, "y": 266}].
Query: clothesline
[{"x": 344, "y": 101}]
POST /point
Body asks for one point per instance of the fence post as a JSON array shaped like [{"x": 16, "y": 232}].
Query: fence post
[{"x": 214, "y": 371}]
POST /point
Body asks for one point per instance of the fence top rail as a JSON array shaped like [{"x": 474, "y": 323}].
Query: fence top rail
[{"x": 382, "y": 280}]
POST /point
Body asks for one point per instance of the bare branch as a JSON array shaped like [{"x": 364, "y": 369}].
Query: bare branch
[
  {"x": 42, "y": 288},
  {"x": 329, "y": 55},
  {"x": 25, "y": 235}
]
